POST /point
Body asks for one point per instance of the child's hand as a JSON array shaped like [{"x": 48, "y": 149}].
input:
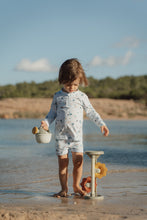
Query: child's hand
[
  {"x": 105, "y": 130},
  {"x": 44, "y": 125}
]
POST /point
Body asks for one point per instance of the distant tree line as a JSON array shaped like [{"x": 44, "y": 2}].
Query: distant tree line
[{"x": 127, "y": 87}]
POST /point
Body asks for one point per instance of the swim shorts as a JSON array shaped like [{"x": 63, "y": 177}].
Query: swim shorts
[{"x": 63, "y": 146}]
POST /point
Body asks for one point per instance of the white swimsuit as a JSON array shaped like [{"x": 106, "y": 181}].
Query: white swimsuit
[{"x": 67, "y": 110}]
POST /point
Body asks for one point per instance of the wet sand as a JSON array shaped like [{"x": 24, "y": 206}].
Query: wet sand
[
  {"x": 77, "y": 208},
  {"x": 119, "y": 201}
]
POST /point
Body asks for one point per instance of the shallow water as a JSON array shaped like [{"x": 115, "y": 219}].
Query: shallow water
[{"x": 29, "y": 170}]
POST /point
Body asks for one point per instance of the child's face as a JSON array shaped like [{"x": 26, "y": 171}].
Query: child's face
[{"x": 73, "y": 86}]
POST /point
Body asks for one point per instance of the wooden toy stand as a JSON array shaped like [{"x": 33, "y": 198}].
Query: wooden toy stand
[{"x": 94, "y": 155}]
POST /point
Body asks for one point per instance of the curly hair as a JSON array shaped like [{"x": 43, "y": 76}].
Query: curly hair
[{"x": 70, "y": 70}]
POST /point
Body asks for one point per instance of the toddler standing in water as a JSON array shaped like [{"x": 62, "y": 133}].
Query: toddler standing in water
[{"x": 67, "y": 109}]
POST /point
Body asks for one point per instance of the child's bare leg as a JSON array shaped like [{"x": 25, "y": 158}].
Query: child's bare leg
[
  {"x": 63, "y": 175},
  {"x": 77, "y": 172}
]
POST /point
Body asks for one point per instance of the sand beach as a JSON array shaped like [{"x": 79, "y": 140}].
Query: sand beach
[
  {"x": 115, "y": 207},
  {"x": 75, "y": 209},
  {"x": 28, "y": 171},
  {"x": 39, "y": 107}
]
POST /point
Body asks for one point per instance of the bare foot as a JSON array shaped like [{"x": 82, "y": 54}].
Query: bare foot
[
  {"x": 60, "y": 194},
  {"x": 80, "y": 191}
]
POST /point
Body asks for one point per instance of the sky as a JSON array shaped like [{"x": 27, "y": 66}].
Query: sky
[{"x": 109, "y": 37}]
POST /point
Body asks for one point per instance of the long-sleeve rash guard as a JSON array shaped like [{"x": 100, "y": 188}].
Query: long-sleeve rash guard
[{"x": 67, "y": 111}]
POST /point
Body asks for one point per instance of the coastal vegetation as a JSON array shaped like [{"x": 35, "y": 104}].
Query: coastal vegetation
[{"x": 127, "y": 87}]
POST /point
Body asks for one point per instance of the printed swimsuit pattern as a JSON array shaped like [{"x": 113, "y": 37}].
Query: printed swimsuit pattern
[{"x": 67, "y": 111}]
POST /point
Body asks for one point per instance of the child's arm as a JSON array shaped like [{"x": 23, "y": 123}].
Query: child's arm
[
  {"x": 94, "y": 116},
  {"x": 105, "y": 130},
  {"x": 50, "y": 116},
  {"x": 44, "y": 125}
]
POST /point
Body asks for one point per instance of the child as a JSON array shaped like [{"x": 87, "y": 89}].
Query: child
[{"x": 67, "y": 109}]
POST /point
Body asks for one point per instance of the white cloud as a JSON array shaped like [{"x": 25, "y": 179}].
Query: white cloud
[
  {"x": 129, "y": 42},
  {"x": 126, "y": 59},
  {"x": 96, "y": 61},
  {"x": 41, "y": 65},
  {"x": 112, "y": 60}
]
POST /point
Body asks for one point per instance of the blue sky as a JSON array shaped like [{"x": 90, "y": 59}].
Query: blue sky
[{"x": 109, "y": 37}]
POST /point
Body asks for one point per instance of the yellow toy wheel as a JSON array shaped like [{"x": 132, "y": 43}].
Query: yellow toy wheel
[{"x": 102, "y": 168}]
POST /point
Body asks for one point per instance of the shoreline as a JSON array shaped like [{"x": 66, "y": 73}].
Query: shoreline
[
  {"x": 77, "y": 208},
  {"x": 109, "y": 109},
  {"x": 29, "y": 178},
  {"x": 119, "y": 202}
]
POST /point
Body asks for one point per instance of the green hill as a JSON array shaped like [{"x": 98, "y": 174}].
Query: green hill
[{"x": 127, "y": 87}]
